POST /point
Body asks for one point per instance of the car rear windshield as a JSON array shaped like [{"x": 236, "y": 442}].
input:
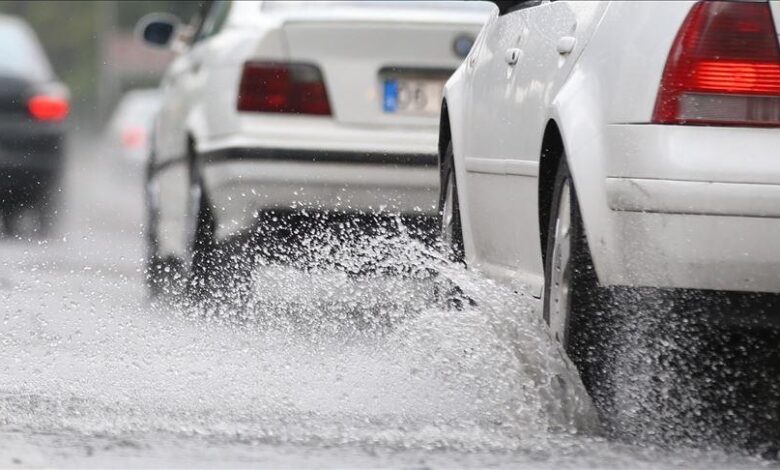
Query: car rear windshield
[{"x": 21, "y": 55}]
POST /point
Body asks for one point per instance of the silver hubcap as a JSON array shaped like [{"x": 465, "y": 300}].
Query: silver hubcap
[
  {"x": 560, "y": 292},
  {"x": 448, "y": 217}
]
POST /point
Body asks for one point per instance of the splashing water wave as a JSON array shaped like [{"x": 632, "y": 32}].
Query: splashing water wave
[{"x": 347, "y": 345}]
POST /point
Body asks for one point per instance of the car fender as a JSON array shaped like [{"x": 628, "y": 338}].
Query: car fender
[
  {"x": 579, "y": 111},
  {"x": 455, "y": 95},
  {"x": 197, "y": 126},
  {"x": 168, "y": 177}
]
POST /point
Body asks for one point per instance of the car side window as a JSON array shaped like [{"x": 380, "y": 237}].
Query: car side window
[
  {"x": 214, "y": 20},
  {"x": 509, "y": 6}
]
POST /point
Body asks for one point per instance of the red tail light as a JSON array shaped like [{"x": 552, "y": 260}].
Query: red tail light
[
  {"x": 133, "y": 137},
  {"x": 723, "y": 69},
  {"x": 283, "y": 88},
  {"x": 48, "y": 108}
]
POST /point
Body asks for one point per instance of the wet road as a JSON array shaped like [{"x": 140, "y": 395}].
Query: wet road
[{"x": 92, "y": 375}]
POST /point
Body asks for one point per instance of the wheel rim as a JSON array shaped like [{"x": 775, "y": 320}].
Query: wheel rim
[
  {"x": 560, "y": 280},
  {"x": 448, "y": 218}
]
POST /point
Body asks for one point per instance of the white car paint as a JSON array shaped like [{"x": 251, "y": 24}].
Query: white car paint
[
  {"x": 662, "y": 205},
  {"x": 350, "y": 42},
  {"x": 126, "y": 136}
]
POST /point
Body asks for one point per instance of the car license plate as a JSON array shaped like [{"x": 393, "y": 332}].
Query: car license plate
[{"x": 413, "y": 96}]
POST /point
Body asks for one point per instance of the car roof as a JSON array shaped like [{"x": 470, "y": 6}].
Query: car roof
[
  {"x": 21, "y": 53},
  {"x": 428, "y": 11}
]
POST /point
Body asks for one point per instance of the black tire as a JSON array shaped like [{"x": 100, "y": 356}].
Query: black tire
[
  {"x": 659, "y": 367},
  {"x": 201, "y": 263},
  {"x": 35, "y": 222},
  {"x": 587, "y": 341},
  {"x": 204, "y": 268},
  {"x": 445, "y": 291},
  {"x": 169, "y": 276},
  {"x": 47, "y": 209},
  {"x": 452, "y": 242},
  {"x": 163, "y": 275},
  {"x": 48, "y": 217}
]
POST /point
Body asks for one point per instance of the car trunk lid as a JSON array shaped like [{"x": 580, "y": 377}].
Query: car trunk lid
[{"x": 372, "y": 57}]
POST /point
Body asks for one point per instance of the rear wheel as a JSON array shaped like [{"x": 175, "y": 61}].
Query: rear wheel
[
  {"x": 28, "y": 222},
  {"x": 164, "y": 274},
  {"x": 575, "y": 307},
  {"x": 31, "y": 212},
  {"x": 200, "y": 262},
  {"x": 649, "y": 357},
  {"x": 449, "y": 207},
  {"x": 450, "y": 235},
  {"x": 191, "y": 274}
]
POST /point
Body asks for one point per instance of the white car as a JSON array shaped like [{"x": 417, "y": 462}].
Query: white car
[
  {"x": 127, "y": 134},
  {"x": 325, "y": 105},
  {"x": 592, "y": 144}
]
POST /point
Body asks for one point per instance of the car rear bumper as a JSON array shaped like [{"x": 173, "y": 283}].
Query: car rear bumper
[
  {"x": 695, "y": 208},
  {"x": 30, "y": 147},
  {"x": 257, "y": 131},
  {"x": 241, "y": 181},
  {"x": 697, "y": 251}
]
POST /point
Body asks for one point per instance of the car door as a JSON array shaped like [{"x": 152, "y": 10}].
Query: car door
[
  {"x": 184, "y": 82},
  {"x": 495, "y": 218},
  {"x": 530, "y": 53},
  {"x": 180, "y": 86}
]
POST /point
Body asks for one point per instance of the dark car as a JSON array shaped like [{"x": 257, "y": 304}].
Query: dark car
[{"x": 33, "y": 110}]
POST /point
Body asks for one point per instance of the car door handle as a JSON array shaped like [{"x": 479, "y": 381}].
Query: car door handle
[
  {"x": 566, "y": 45},
  {"x": 512, "y": 55}
]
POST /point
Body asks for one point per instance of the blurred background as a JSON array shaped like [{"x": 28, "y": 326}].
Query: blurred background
[
  {"x": 92, "y": 162},
  {"x": 93, "y": 51}
]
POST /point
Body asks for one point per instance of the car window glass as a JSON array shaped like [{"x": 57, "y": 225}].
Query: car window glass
[
  {"x": 516, "y": 5},
  {"x": 197, "y": 22},
  {"x": 214, "y": 20},
  {"x": 20, "y": 52}
]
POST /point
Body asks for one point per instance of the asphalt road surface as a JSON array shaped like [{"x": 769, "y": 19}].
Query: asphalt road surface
[{"x": 93, "y": 375}]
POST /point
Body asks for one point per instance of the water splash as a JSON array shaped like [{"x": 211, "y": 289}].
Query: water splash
[{"x": 345, "y": 344}]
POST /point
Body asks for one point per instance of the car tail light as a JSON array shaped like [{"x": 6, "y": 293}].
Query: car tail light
[
  {"x": 48, "y": 108},
  {"x": 283, "y": 88},
  {"x": 133, "y": 137},
  {"x": 723, "y": 69}
]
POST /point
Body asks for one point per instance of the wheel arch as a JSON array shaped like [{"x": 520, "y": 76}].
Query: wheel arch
[
  {"x": 551, "y": 153},
  {"x": 191, "y": 147},
  {"x": 578, "y": 114},
  {"x": 445, "y": 133},
  {"x": 452, "y": 131}
]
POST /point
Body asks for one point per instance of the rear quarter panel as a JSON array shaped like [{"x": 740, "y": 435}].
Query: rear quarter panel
[
  {"x": 217, "y": 116},
  {"x": 615, "y": 81}
]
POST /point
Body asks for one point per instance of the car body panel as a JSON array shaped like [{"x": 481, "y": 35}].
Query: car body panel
[
  {"x": 662, "y": 205},
  {"x": 31, "y": 150},
  {"x": 348, "y": 56},
  {"x": 127, "y": 134},
  {"x": 302, "y": 185},
  {"x": 351, "y": 43},
  {"x": 503, "y": 147}
]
